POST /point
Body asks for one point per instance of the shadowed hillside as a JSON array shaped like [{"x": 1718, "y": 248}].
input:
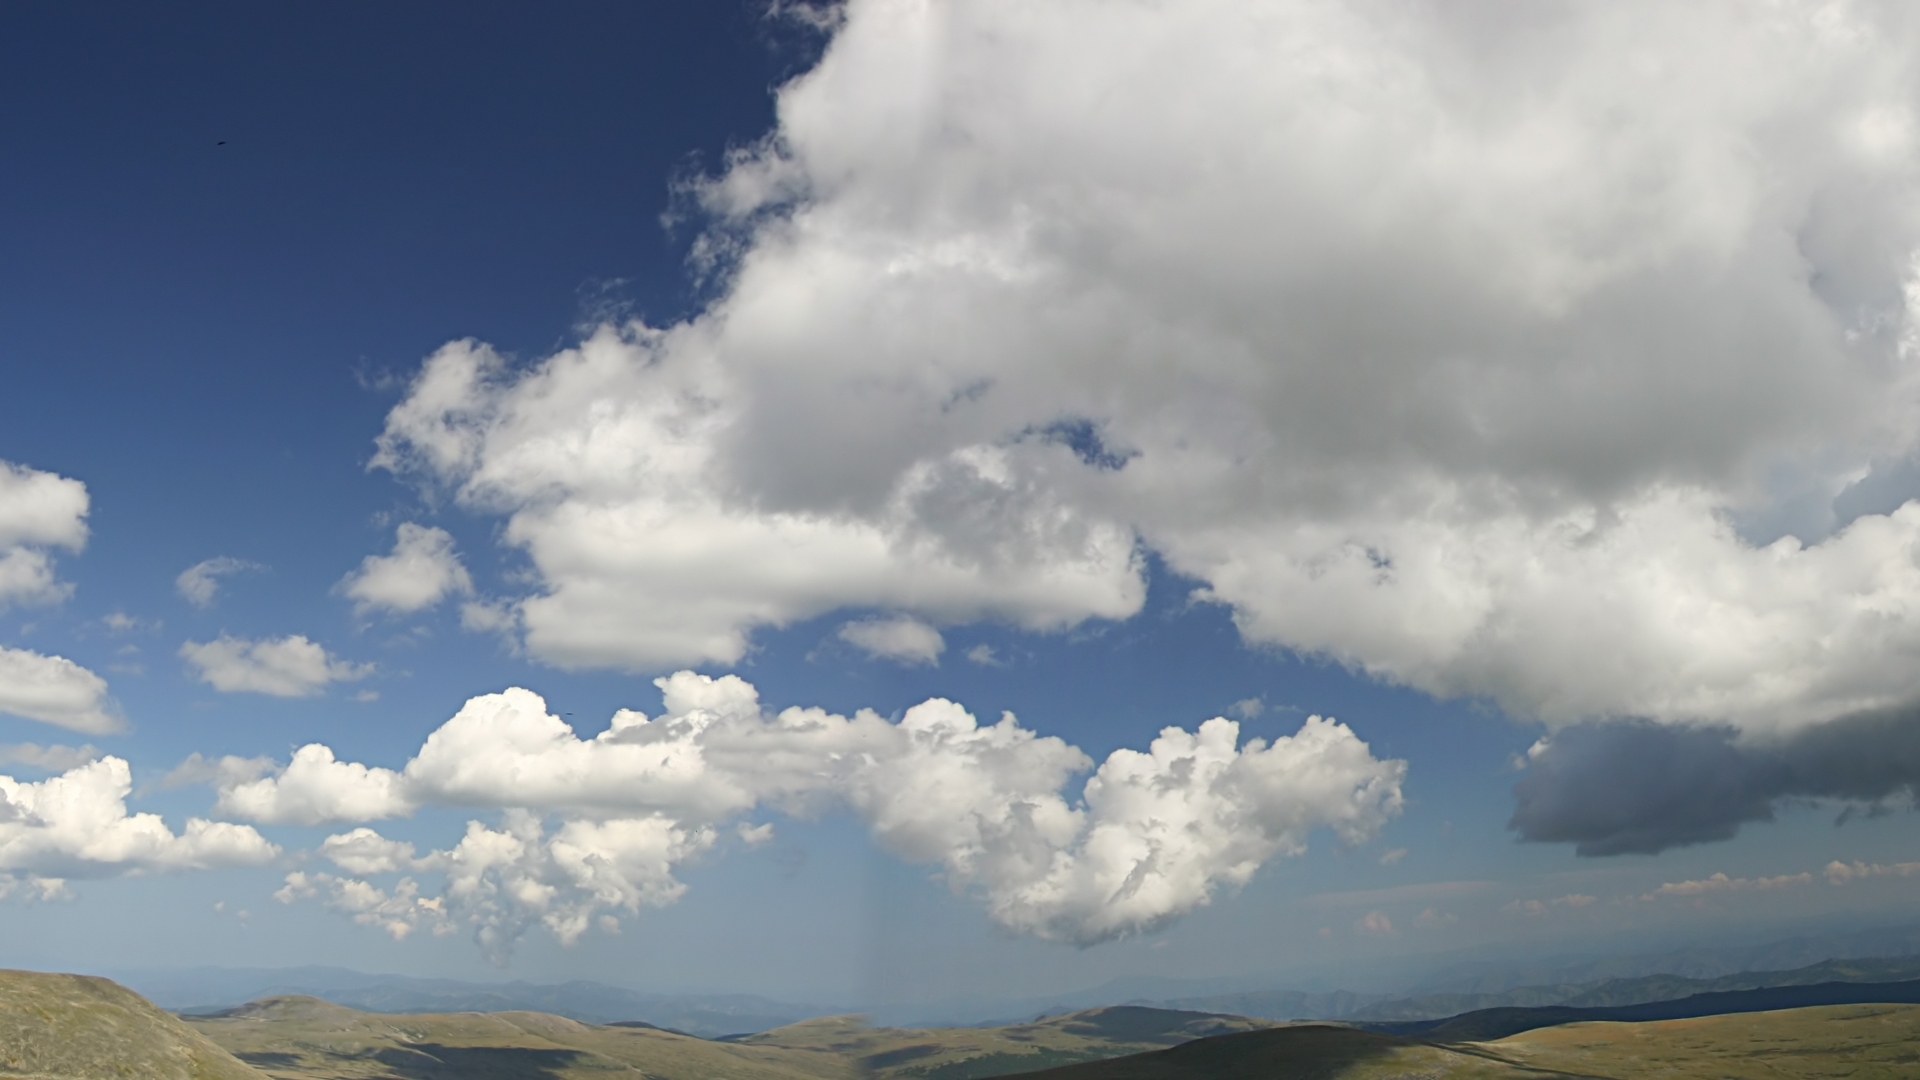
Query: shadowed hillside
[
  {"x": 1856, "y": 1042},
  {"x": 1485, "y": 1024},
  {"x": 54, "y": 1027}
]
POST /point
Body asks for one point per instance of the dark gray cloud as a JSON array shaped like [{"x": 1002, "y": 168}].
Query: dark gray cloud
[{"x": 1634, "y": 786}]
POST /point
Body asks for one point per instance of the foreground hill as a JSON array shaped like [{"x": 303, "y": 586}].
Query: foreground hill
[
  {"x": 56, "y": 1027},
  {"x": 1858, "y": 1042},
  {"x": 300, "y": 1038}
]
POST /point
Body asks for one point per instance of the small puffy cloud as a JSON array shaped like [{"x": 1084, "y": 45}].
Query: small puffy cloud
[
  {"x": 312, "y": 789},
  {"x": 1721, "y": 883},
  {"x": 291, "y": 666},
  {"x": 38, "y": 511},
  {"x": 51, "y": 758},
  {"x": 76, "y": 825},
  {"x": 421, "y": 571},
  {"x": 1392, "y": 856},
  {"x": 985, "y": 656},
  {"x": 41, "y": 509},
  {"x": 1842, "y": 873},
  {"x": 1537, "y": 908},
  {"x": 902, "y": 639},
  {"x": 199, "y": 584},
  {"x": 1151, "y": 836},
  {"x": 1375, "y": 924},
  {"x": 397, "y": 912},
  {"x": 55, "y": 690},
  {"x": 363, "y": 852},
  {"x": 1248, "y": 708}
]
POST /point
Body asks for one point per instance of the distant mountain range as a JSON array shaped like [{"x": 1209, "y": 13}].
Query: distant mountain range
[
  {"x": 1885, "y": 955},
  {"x": 1605, "y": 993},
  {"x": 203, "y": 991}
]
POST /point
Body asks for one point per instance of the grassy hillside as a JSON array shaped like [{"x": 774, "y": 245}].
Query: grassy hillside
[
  {"x": 969, "y": 1053},
  {"x": 56, "y": 1027},
  {"x": 295, "y": 1038},
  {"x": 1858, "y": 1042}
]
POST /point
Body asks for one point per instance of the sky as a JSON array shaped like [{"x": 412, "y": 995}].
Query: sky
[{"x": 906, "y": 500}]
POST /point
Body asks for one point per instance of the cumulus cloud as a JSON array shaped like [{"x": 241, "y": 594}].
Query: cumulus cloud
[
  {"x": 199, "y": 584},
  {"x": 291, "y": 666},
  {"x": 76, "y": 824},
  {"x": 1721, "y": 883},
  {"x": 39, "y": 511},
  {"x": 313, "y": 788},
  {"x": 1451, "y": 347},
  {"x": 1375, "y": 924},
  {"x": 55, "y": 690},
  {"x": 906, "y": 640},
  {"x": 1150, "y": 836},
  {"x": 422, "y": 570},
  {"x": 1842, "y": 873}
]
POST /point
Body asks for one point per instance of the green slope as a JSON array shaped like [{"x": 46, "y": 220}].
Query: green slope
[
  {"x": 1856, "y": 1042},
  {"x": 74, "y": 1027}
]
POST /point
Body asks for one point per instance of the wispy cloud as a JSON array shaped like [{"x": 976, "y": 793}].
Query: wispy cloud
[{"x": 199, "y": 584}]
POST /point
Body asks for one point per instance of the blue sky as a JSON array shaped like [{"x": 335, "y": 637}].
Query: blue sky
[{"x": 1118, "y": 370}]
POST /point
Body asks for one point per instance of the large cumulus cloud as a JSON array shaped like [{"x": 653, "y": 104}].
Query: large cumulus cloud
[
  {"x": 595, "y": 826},
  {"x": 1562, "y": 356},
  {"x": 76, "y": 824}
]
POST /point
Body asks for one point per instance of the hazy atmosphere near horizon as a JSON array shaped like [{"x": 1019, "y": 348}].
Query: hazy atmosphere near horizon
[{"x": 915, "y": 500}]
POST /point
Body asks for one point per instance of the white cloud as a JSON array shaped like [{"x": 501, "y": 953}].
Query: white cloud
[
  {"x": 646, "y": 562},
  {"x": 422, "y": 570},
  {"x": 1536, "y": 908},
  {"x": 53, "y": 758},
  {"x": 1720, "y": 882},
  {"x": 1375, "y": 924},
  {"x": 364, "y": 852},
  {"x": 1448, "y": 357},
  {"x": 76, "y": 825},
  {"x": 199, "y": 584},
  {"x": 397, "y": 912},
  {"x": 1150, "y": 837},
  {"x": 291, "y": 666},
  {"x": 903, "y": 639},
  {"x": 985, "y": 656},
  {"x": 1841, "y": 873},
  {"x": 312, "y": 789},
  {"x": 38, "y": 511},
  {"x": 55, "y": 690}
]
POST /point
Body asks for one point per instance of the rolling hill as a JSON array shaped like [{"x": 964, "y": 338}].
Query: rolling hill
[
  {"x": 1858, "y": 1042},
  {"x": 56, "y": 1027}
]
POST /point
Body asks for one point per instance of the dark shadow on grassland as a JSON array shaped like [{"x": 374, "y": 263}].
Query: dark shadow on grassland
[
  {"x": 1305, "y": 1052},
  {"x": 432, "y": 1061},
  {"x": 1138, "y": 1024},
  {"x": 1486, "y": 1025},
  {"x": 269, "y": 1058}
]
